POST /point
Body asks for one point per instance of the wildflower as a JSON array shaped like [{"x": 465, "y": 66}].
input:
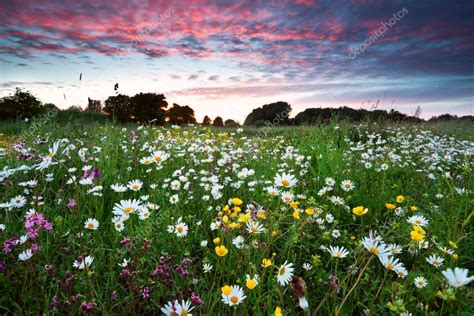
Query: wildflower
[
  {"x": 296, "y": 214},
  {"x": 251, "y": 283},
  {"x": 254, "y": 227},
  {"x": 82, "y": 263},
  {"x": 360, "y": 210},
  {"x": 118, "y": 188},
  {"x": 391, "y": 263},
  {"x": 375, "y": 246},
  {"x": 298, "y": 286},
  {"x": 206, "y": 267},
  {"x": 420, "y": 282},
  {"x": 160, "y": 156},
  {"x": 418, "y": 220},
  {"x": 221, "y": 251},
  {"x": 338, "y": 252},
  {"x": 285, "y": 273},
  {"x": 307, "y": 266},
  {"x": 458, "y": 277},
  {"x": 236, "y": 201},
  {"x": 91, "y": 224},
  {"x": 181, "y": 229},
  {"x": 266, "y": 263},
  {"x": 278, "y": 311},
  {"x": 285, "y": 180},
  {"x": 184, "y": 308},
  {"x": 71, "y": 203},
  {"x": 238, "y": 242},
  {"x": 126, "y": 207},
  {"x": 390, "y": 206},
  {"x": 435, "y": 261},
  {"x": 347, "y": 185},
  {"x": 273, "y": 191},
  {"x": 135, "y": 185},
  {"x": 400, "y": 199},
  {"x": 233, "y": 295},
  {"x": 25, "y": 255},
  {"x": 309, "y": 211},
  {"x": 287, "y": 197},
  {"x": 417, "y": 234},
  {"x": 216, "y": 241}
]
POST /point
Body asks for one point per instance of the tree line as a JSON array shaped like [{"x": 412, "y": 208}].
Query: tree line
[{"x": 153, "y": 108}]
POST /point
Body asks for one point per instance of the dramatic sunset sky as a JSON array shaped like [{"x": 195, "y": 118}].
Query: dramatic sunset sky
[{"x": 228, "y": 57}]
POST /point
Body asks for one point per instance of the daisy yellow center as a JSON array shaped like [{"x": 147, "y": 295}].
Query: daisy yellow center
[
  {"x": 128, "y": 209},
  {"x": 285, "y": 182},
  {"x": 287, "y": 198},
  {"x": 135, "y": 186},
  {"x": 254, "y": 229},
  {"x": 18, "y": 201},
  {"x": 435, "y": 262},
  {"x": 390, "y": 266},
  {"x": 401, "y": 273},
  {"x": 180, "y": 229},
  {"x": 418, "y": 221},
  {"x": 234, "y": 299},
  {"x": 184, "y": 313},
  {"x": 281, "y": 271},
  {"x": 420, "y": 282},
  {"x": 173, "y": 313},
  {"x": 158, "y": 158},
  {"x": 90, "y": 225},
  {"x": 347, "y": 185},
  {"x": 375, "y": 251}
]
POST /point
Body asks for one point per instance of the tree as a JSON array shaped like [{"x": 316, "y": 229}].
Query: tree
[
  {"x": 180, "y": 115},
  {"x": 206, "y": 121},
  {"x": 74, "y": 108},
  {"x": 93, "y": 106},
  {"x": 120, "y": 107},
  {"x": 20, "y": 105},
  {"x": 149, "y": 107},
  {"x": 218, "y": 122},
  {"x": 231, "y": 123},
  {"x": 273, "y": 114}
]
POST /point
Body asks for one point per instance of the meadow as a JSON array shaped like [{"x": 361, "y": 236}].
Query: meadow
[{"x": 336, "y": 219}]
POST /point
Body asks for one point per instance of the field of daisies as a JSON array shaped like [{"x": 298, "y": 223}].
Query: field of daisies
[{"x": 330, "y": 220}]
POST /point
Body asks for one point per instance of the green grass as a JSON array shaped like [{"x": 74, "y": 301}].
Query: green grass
[{"x": 198, "y": 156}]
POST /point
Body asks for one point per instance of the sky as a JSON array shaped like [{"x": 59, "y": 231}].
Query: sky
[{"x": 228, "y": 57}]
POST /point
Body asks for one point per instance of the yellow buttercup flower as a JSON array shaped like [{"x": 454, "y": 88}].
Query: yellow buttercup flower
[
  {"x": 413, "y": 208},
  {"x": 251, "y": 283},
  {"x": 400, "y": 199},
  {"x": 216, "y": 240},
  {"x": 360, "y": 210},
  {"x": 244, "y": 218},
  {"x": 237, "y": 209},
  {"x": 417, "y": 234},
  {"x": 453, "y": 244},
  {"x": 309, "y": 211},
  {"x": 294, "y": 204},
  {"x": 266, "y": 263},
  {"x": 236, "y": 201},
  {"x": 225, "y": 219},
  {"x": 296, "y": 214},
  {"x": 221, "y": 251},
  {"x": 278, "y": 311},
  {"x": 226, "y": 290},
  {"x": 390, "y": 206},
  {"x": 455, "y": 256},
  {"x": 226, "y": 208}
]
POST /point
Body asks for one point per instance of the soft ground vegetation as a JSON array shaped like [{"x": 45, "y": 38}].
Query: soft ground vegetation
[{"x": 334, "y": 219}]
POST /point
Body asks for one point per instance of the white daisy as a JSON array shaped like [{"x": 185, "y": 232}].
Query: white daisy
[
  {"x": 458, "y": 277},
  {"x": 91, "y": 224},
  {"x": 285, "y": 273}
]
